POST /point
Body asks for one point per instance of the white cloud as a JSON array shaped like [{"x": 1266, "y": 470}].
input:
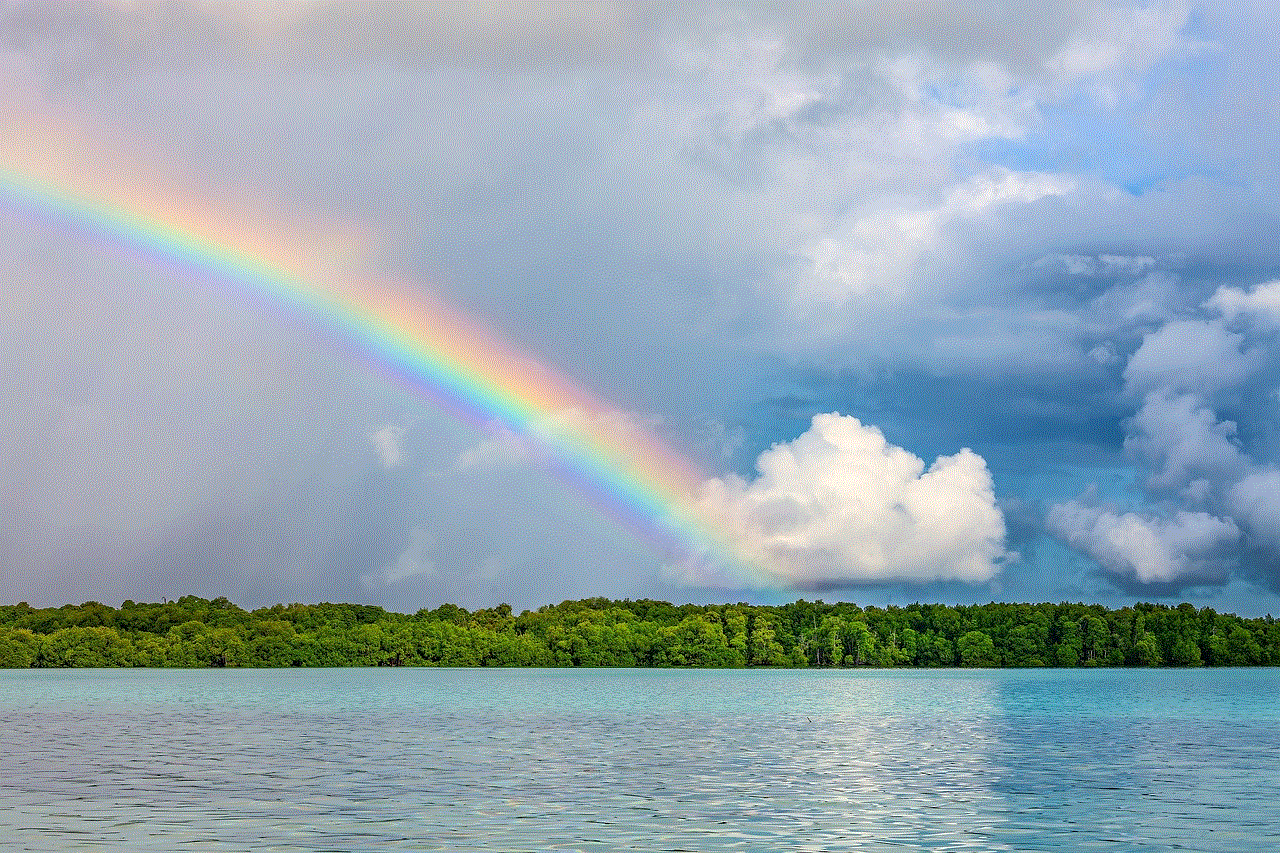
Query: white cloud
[
  {"x": 1095, "y": 265},
  {"x": 1125, "y": 264},
  {"x": 388, "y": 443},
  {"x": 567, "y": 424},
  {"x": 1071, "y": 264},
  {"x": 571, "y": 427},
  {"x": 1104, "y": 353},
  {"x": 1185, "y": 372},
  {"x": 839, "y": 505},
  {"x": 1182, "y": 439},
  {"x": 870, "y": 260},
  {"x": 1255, "y": 499},
  {"x": 1152, "y": 298},
  {"x": 637, "y": 172},
  {"x": 500, "y": 450},
  {"x": 1190, "y": 356},
  {"x": 1262, "y": 303},
  {"x": 1109, "y": 55},
  {"x": 1146, "y": 548}
]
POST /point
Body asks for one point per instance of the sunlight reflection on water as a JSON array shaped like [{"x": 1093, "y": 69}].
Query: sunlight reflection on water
[{"x": 649, "y": 760}]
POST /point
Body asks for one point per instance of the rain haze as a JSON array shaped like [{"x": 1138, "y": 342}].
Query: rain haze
[{"x": 911, "y": 301}]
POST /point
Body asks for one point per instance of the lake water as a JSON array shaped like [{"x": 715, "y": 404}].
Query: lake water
[{"x": 647, "y": 760}]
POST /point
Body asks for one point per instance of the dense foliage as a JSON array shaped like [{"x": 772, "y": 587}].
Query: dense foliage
[{"x": 194, "y": 632}]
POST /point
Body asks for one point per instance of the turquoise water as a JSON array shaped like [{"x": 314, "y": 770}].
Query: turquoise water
[{"x": 647, "y": 760}]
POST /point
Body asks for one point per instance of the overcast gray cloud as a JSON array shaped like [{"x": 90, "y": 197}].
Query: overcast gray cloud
[
  {"x": 982, "y": 226},
  {"x": 1072, "y": 38}
]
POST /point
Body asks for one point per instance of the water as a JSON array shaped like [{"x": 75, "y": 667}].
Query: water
[{"x": 648, "y": 760}]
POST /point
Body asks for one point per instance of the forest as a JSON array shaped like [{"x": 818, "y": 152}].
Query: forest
[{"x": 195, "y": 632}]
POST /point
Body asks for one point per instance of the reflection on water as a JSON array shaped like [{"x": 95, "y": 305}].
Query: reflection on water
[{"x": 608, "y": 760}]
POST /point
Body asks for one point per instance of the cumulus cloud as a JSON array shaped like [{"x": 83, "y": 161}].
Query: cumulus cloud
[
  {"x": 1183, "y": 372},
  {"x": 1117, "y": 45},
  {"x": 1147, "y": 548},
  {"x": 838, "y": 142},
  {"x": 1180, "y": 437},
  {"x": 1190, "y": 356},
  {"x": 1262, "y": 303},
  {"x": 840, "y": 505},
  {"x": 1255, "y": 498},
  {"x": 1219, "y": 493}
]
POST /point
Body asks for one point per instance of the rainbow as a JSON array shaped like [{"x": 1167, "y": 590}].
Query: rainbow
[{"x": 397, "y": 329}]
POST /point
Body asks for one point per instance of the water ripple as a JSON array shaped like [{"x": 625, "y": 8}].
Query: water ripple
[{"x": 519, "y": 760}]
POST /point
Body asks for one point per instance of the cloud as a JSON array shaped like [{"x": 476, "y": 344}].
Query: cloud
[
  {"x": 501, "y": 449},
  {"x": 1095, "y": 265},
  {"x": 1261, "y": 304},
  {"x": 1147, "y": 548},
  {"x": 327, "y": 35},
  {"x": 1104, "y": 353},
  {"x": 1154, "y": 298},
  {"x": 1072, "y": 38},
  {"x": 626, "y": 432},
  {"x": 414, "y": 561},
  {"x": 824, "y": 158},
  {"x": 1071, "y": 264},
  {"x": 388, "y": 443},
  {"x": 1212, "y": 480},
  {"x": 1118, "y": 45},
  {"x": 698, "y": 212},
  {"x": 1181, "y": 438},
  {"x": 840, "y": 506},
  {"x": 871, "y": 260},
  {"x": 1255, "y": 498},
  {"x": 1190, "y": 356}
]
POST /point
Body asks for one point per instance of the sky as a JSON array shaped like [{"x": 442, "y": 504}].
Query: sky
[{"x": 937, "y": 301}]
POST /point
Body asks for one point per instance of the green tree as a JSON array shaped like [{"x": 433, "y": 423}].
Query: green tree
[
  {"x": 695, "y": 642},
  {"x": 976, "y": 649},
  {"x": 1022, "y": 647},
  {"x": 735, "y": 631},
  {"x": 765, "y": 650},
  {"x": 19, "y": 648},
  {"x": 1183, "y": 651},
  {"x": 1070, "y": 646},
  {"x": 1243, "y": 648},
  {"x": 860, "y": 644},
  {"x": 1146, "y": 651},
  {"x": 86, "y": 647},
  {"x": 1095, "y": 641}
]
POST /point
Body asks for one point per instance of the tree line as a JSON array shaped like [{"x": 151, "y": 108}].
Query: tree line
[{"x": 195, "y": 632}]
